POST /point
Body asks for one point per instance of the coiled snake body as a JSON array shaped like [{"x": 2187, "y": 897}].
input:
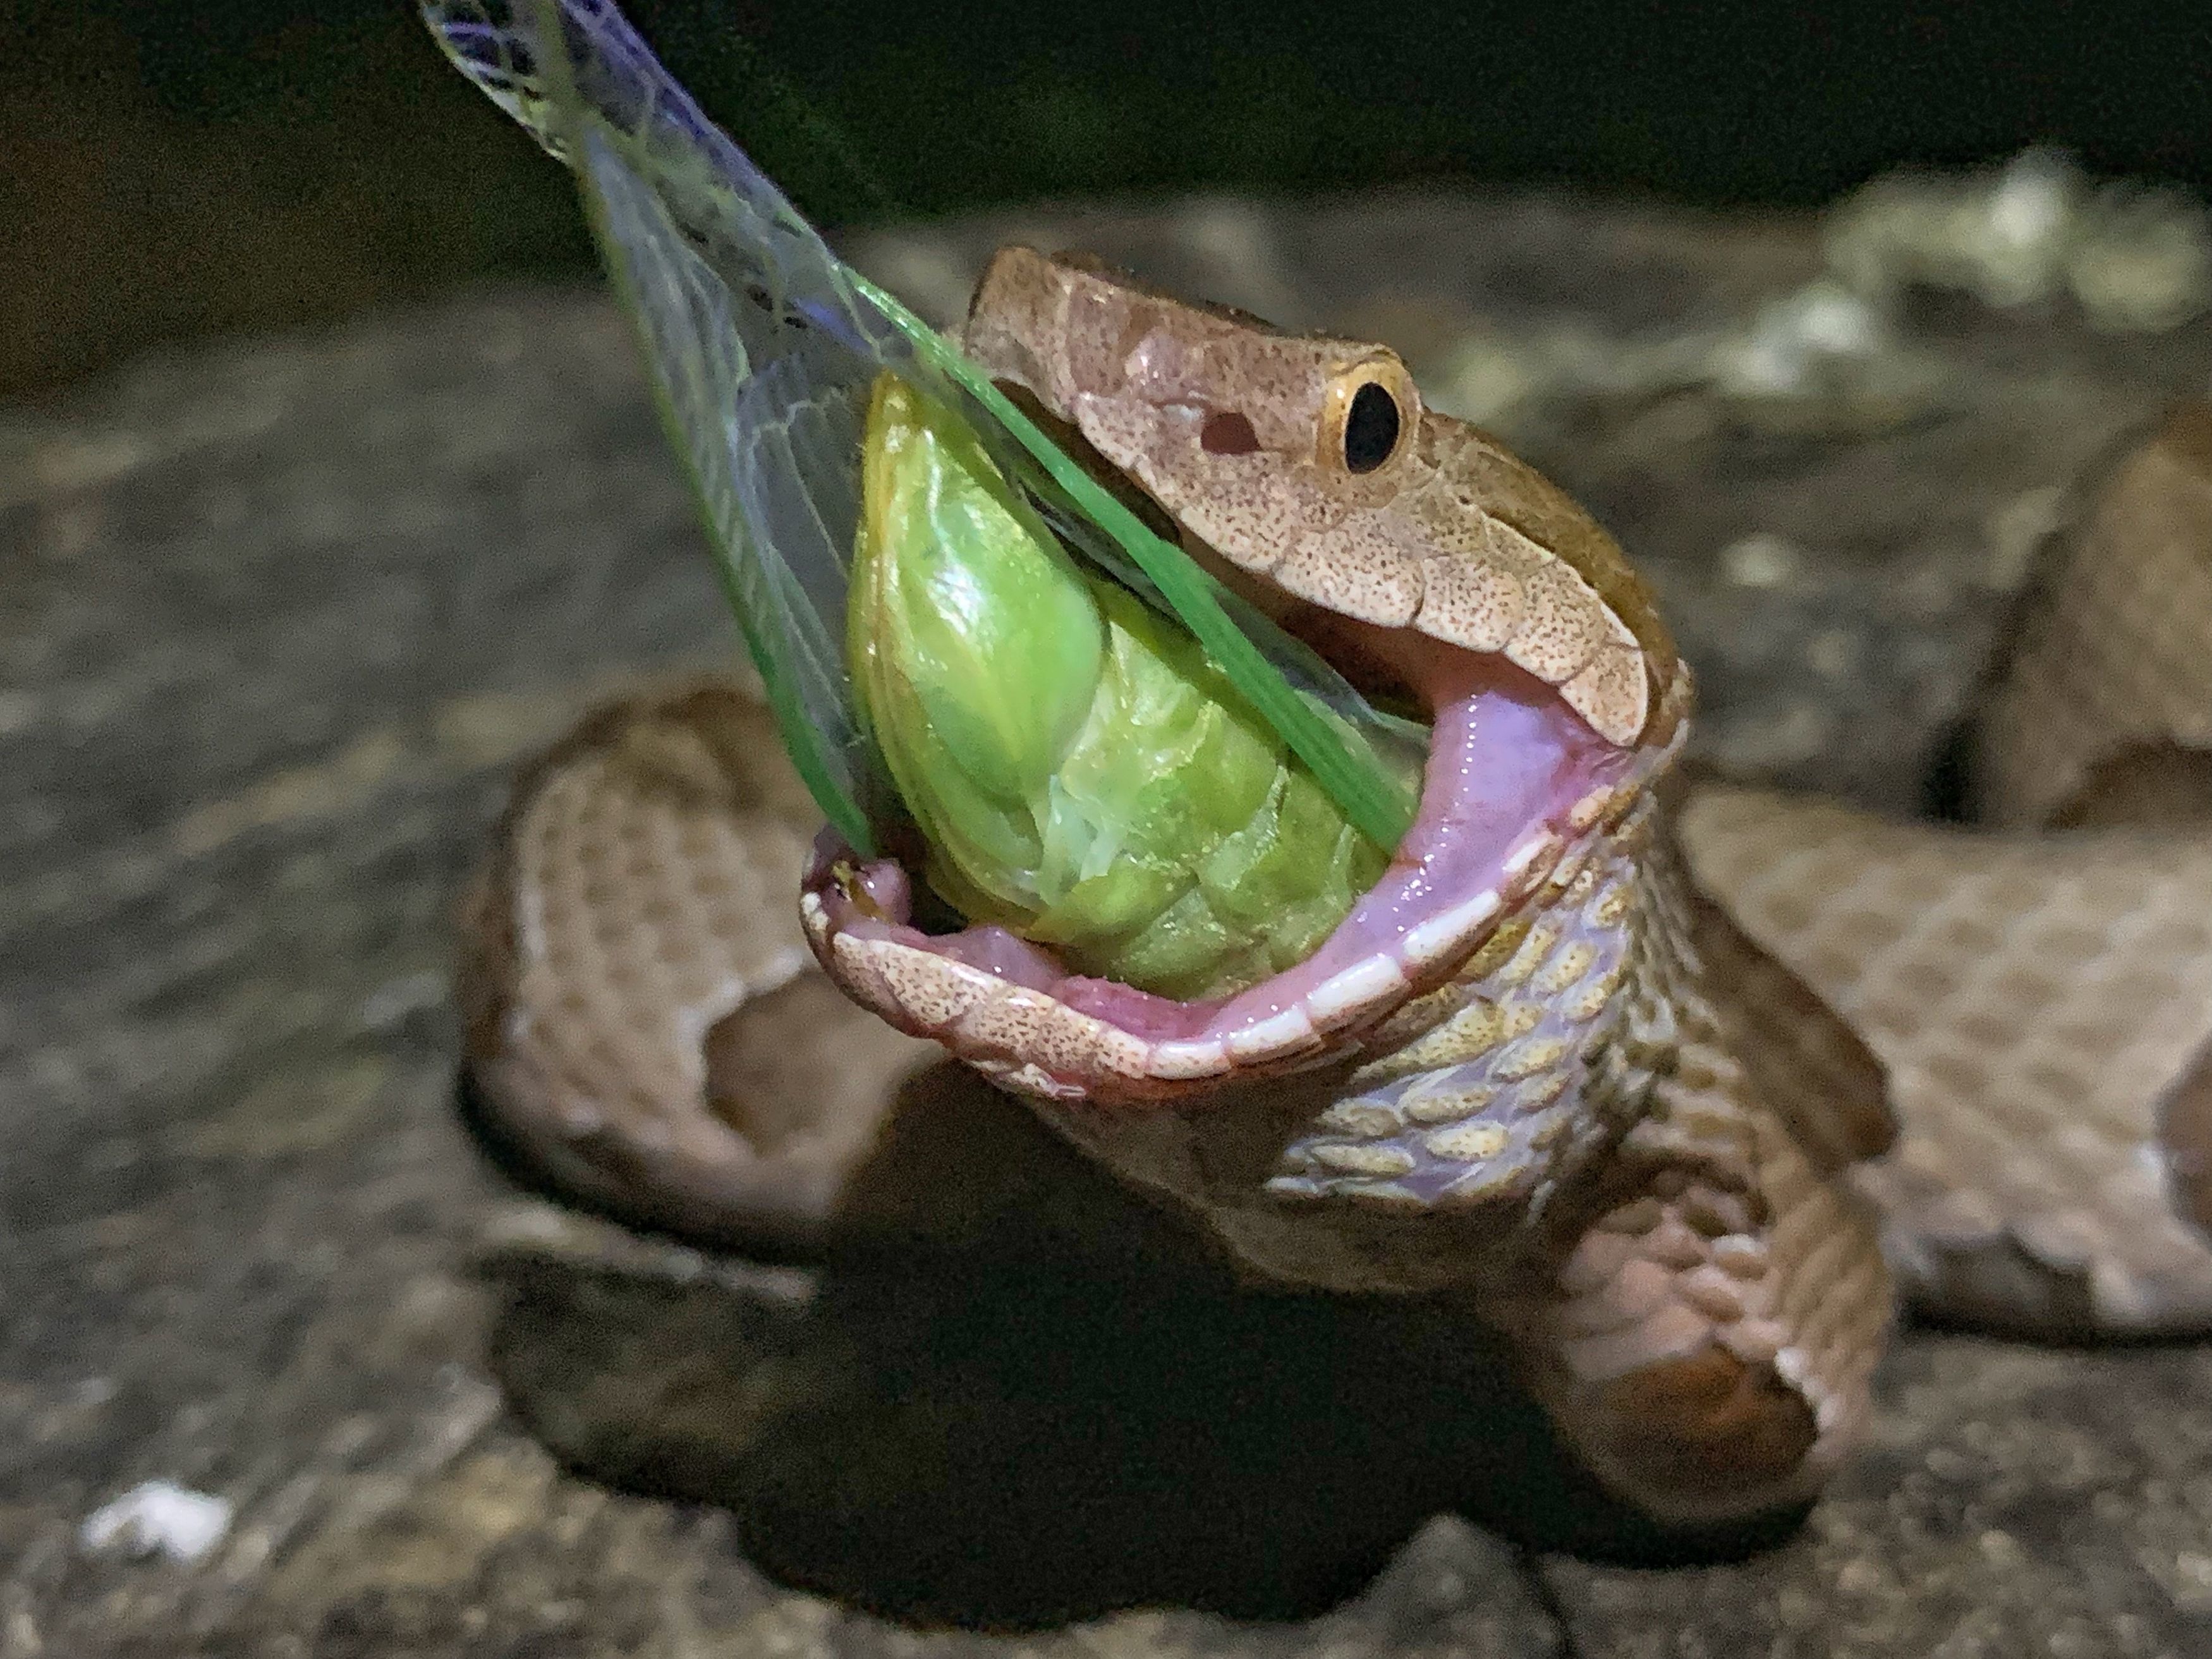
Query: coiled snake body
[{"x": 1608, "y": 1059}]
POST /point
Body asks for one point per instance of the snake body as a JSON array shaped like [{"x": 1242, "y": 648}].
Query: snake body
[{"x": 1630, "y": 1105}]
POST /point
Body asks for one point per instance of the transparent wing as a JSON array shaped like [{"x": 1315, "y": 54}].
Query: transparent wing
[
  {"x": 779, "y": 493},
  {"x": 761, "y": 345},
  {"x": 603, "y": 74},
  {"x": 760, "y": 351}
]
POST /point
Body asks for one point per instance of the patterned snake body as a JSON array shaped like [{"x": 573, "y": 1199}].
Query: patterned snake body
[{"x": 1604, "y": 1058}]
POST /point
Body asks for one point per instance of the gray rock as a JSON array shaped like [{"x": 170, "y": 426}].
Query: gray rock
[{"x": 279, "y": 617}]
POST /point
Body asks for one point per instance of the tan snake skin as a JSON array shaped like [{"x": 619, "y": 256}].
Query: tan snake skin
[
  {"x": 1680, "y": 1246},
  {"x": 2037, "y": 999}
]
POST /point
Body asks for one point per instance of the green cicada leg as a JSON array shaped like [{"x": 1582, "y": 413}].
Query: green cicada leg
[{"x": 1082, "y": 773}]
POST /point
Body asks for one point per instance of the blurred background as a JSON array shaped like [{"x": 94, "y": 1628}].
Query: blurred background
[{"x": 179, "y": 167}]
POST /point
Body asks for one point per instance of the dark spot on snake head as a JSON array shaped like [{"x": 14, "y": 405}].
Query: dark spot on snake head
[
  {"x": 1371, "y": 429},
  {"x": 1228, "y": 432}
]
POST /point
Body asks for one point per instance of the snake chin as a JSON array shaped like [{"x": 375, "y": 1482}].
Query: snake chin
[{"x": 1514, "y": 779}]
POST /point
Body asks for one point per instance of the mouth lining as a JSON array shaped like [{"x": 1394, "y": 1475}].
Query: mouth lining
[{"x": 1513, "y": 775}]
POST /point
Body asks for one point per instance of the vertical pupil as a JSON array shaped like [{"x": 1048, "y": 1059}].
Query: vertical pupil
[{"x": 1371, "y": 429}]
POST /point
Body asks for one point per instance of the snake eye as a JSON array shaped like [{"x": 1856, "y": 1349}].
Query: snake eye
[
  {"x": 1371, "y": 429},
  {"x": 1367, "y": 411}
]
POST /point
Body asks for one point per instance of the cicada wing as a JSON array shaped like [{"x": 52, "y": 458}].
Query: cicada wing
[
  {"x": 558, "y": 65},
  {"x": 762, "y": 344},
  {"x": 798, "y": 453},
  {"x": 773, "y": 453},
  {"x": 760, "y": 349}
]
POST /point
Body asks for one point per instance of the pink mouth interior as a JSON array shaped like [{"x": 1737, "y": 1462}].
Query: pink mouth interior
[{"x": 1507, "y": 759}]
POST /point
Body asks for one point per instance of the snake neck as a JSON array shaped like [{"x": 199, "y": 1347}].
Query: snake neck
[
  {"x": 1547, "y": 1049},
  {"x": 1473, "y": 1133}
]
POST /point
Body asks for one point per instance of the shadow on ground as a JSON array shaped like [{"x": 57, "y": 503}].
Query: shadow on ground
[{"x": 1023, "y": 1403}]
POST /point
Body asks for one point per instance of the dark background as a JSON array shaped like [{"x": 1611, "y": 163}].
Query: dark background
[{"x": 175, "y": 167}]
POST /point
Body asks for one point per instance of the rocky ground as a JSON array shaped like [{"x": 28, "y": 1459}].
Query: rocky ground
[{"x": 278, "y": 618}]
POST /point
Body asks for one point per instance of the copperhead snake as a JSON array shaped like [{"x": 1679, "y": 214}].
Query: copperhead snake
[{"x": 1676, "y": 1085}]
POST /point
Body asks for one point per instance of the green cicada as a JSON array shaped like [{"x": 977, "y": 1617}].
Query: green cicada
[{"x": 1083, "y": 773}]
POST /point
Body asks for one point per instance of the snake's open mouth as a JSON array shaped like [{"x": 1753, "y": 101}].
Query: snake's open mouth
[{"x": 1513, "y": 777}]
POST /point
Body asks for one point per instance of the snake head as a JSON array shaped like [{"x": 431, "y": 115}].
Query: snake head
[{"x": 1415, "y": 553}]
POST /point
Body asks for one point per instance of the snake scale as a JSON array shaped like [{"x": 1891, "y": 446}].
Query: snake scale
[{"x": 1675, "y": 1084}]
